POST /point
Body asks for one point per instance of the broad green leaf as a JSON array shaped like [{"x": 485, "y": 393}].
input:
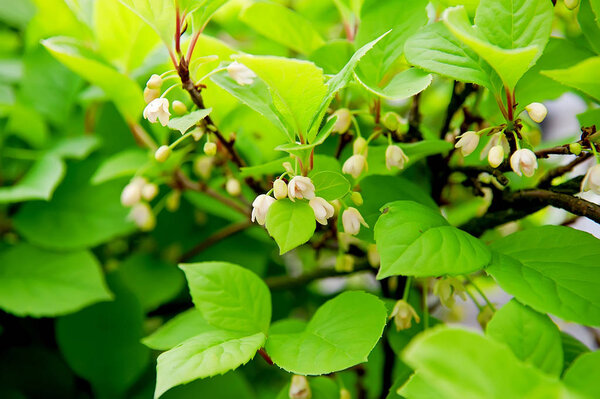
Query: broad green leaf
[
  {"x": 232, "y": 385},
  {"x": 584, "y": 76},
  {"x": 532, "y": 336},
  {"x": 74, "y": 147},
  {"x": 202, "y": 11},
  {"x": 572, "y": 348},
  {"x": 283, "y": 26},
  {"x": 123, "y": 39},
  {"x": 185, "y": 122},
  {"x": 403, "y": 85},
  {"x": 333, "y": 55},
  {"x": 463, "y": 364},
  {"x": 122, "y": 164},
  {"x": 414, "y": 240},
  {"x": 583, "y": 375},
  {"x": 229, "y": 297},
  {"x": 101, "y": 343},
  {"x": 341, "y": 334},
  {"x": 417, "y": 388},
  {"x": 511, "y": 63},
  {"x": 534, "y": 266},
  {"x": 435, "y": 49},
  {"x": 291, "y": 224},
  {"x": 158, "y": 14},
  {"x": 205, "y": 355},
  {"x": 330, "y": 185},
  {"x": 588, "y": 21},
  {"x": 78, "y": 216},
  {"x": 125, "y": 92},
  {"x": 36, "y": 282},
  {"x": 268, "y": 168},
  {"x": 301, "y": 150},
  {"x": 180, "y": 328},
  {"x": 298, "y": 103},
  {"x": 38, "y": 184}
]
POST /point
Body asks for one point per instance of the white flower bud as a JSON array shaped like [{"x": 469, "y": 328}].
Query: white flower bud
[
  {"x": 571, "y": 4},
  {"x": 155, "y": 82},
  {"x": 299, "y": 388},
  {"x": 345, "y": 394},
  {"x": 210, "y": 149},
  {"x": 354, "y": 165},
  {"x": 141, "y": 214},
  {"x": 301, "y": 187},
  {"x": 203, "y": 166},
  {"x": 179, "y": 108},
  {"x": 468, "y": 142},
  {"x": 198, "y": 133},
  {"x": 280, "y": 189},
  {"x": 403, "y": 314},
  {"x": 132, "y": 192},
  {"x": 260, "y": 206},
  {"x": 158, "y": 109},
  {"x": 351, "y": 220},
  {"x": 395, "y": 157},
  {"x": 162, "y": 153},
  {"x": 360, "y": 146},
  {"x": 240, "y": 73},
  {"x": 344, "y": 119},
  {"x": 591, "y": 181},
  {"x": 233, "y": 187},
  {"x": 524, "y": 162},
  {"x": 446, "y": 288},
  {"x": 173, "y": 201},
  {"x": 537, "y": 112},
  {"x": 323, "y": 210},
  {"x": 496, "y": 156},
  {"x": 149, "y": 191},
  {"x": 288, "y": 167},
  {"x": 356, "y": 198},
  {"x": 151, "y": 95}
]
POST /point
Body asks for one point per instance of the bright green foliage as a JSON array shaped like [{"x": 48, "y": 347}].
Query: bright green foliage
[
  {"x": 290, "y": 223},
  {"x": 341, "y": 334},
  {"x": 122, "y": 164},
  {"x": 533, "y": 266},
  {"x": 532, "y": 336},
  {"x": 158, "y": 14},
  {"x": 583, "y": 76},
  {"x": 320, "y": 387},
  {"x": 181, "y": 327},
  {"x": 330, "y": 185},
  {"x": 414, "y": 240},
  {"x": 184, "y": 123},
  {"x": 39, "y": 183},
  {"x": 583, "y": 375},
  {"x": 35, "y": 282}
]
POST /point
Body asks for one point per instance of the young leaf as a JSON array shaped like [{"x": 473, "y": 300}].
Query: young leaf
[
  {"x": 282, "y": 25},
  {"x": 341, "y": 334},
  {"x": 583, "y": 375},
  {"x": 584, "y": 76},
  {"x": 459, "y": 363},
  {"x": 290, "y": 223},
  {"x": 403, "y": 85},
  {"x": 532, "y": 336},
  {"x": 572, "y": 348},
  {"x": 534, "y": 266},
  {"x": 35, "y": 282},
  {"x": 122, "y": 164},
  {"x": 159, "y": 14},
  {"x": 185, "y": 122},
  {"x": 229, "y": 297},
  {"x": 202, "y": 11},
  {"x": 330, "y": 185},
  {"x": 414, "y": 240},
  {"x": 180, "y": 328},
  {"x": 38, "y": 184},
  {"x": 205, "y": 355}
]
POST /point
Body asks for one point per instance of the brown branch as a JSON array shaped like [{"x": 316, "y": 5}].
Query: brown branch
[
  {"x": 287, "y": 282},
  {"x": 546, "y": 181},
  {"x": 574, "y": 205},
  {"x": 222, "y": 234}
]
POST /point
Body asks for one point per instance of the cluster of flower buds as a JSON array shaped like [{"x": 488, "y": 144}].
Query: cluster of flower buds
[
  {"x": 158, "y": 107},
  {"x": 136, "y": 195},
  {"x": 447, "y": 288},
  {"x": 403, "y": 314},
  {"x": 241, "y": 73}
]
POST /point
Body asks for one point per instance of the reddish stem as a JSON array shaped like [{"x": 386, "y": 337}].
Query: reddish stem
[
  {"x": 177, "y": 30},
  {"x": 509, "y": 104},
  {"x": 265, "y": 356},
  {"x": 192, "y": 45}
]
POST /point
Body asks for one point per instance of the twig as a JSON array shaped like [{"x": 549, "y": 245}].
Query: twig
[
  {"x": 456, "y": 102},
  {"x": 546, "y": 181},
  {"x": 215, "y": 238},
  {"x": 265, "y": 356}
]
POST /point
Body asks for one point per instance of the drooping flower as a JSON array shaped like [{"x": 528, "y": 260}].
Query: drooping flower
[
  {"x": 537, "y": 112},
  {"x": 162, "y": 153},
  {"x": 351, "y": 220},
  {"x": 446, "y": 288},
  {"x": 280, "y": 189},
  {"x": 524, "y": 162},
  {"x": 323, "y": 210},
  {"x": 301, "y": 187},
  {"x": 141, "y": 214},
  {"x": 158, "y": 109},
  {"x": 233, "y": 187},
  {"x": 151, "y": 94},
  {"x": 467, "y": 142},
  {"x": 395, "y": 157},
  {"x": 155, "y": 82},
  {"x": 591, "y": 181},
  {"x": 496, "y": 156},
  {"x": 241, "y": 73},
  {"x": 360, "y": 146},
  {"x": 299, "y": 388},
  {"x": 260, "y": 206},
  {"x": 403, "y": 314},
  {"x": 355, "y": 165},
  {"x": 344, "y": 119}
]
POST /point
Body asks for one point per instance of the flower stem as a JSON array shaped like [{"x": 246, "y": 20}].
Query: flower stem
[{"x": 480, "y": 291}]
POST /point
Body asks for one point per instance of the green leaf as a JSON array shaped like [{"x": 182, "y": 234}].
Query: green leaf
[
  {"x": 572, "y": 348},
  {"x": 78, "y": 216},
  {"x": 35, "y": 282},
  {"x": 125, "y": 92},
  {"x": 330, "y": 185},
  {"x": 267, "y": 168},
  {"x": 102, "y": 343},
  {"x": 38, "y": 184},
  {"x": 202, "y": 11},
  {"x": 291, "y": 224},
  {"x": 122, "y": 164},
  {"x": 158, "y": 14},
  {"x": 229, "y": 297},
  {"x": 333, "y": 55},
  {"x": 403, "y": 85},
  {"x": 511, "y": 63},
  {"x": 283, "y": 26},
  {"x": 414, "y": 240},
  {"x": 534, "y": 266},
  {"x": 298, "y": 103},
  {"x": 588, "y": 21},
  {"x": 435, "y": 49},
  {"x": 184, "y": 123},
  {"x": 583, "y": 375},
  {"x": 74, "y": 147},
  {"x": 180, "y": 328},
  {"x": 463, "y": 364},
  {"x": 532, "y": 336},
  {"x": 205, "y": 355},
  {"x": 341, "y": 334},
  {"x": 232, "y": 385},
  {"x": 584, "y": 77}
]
